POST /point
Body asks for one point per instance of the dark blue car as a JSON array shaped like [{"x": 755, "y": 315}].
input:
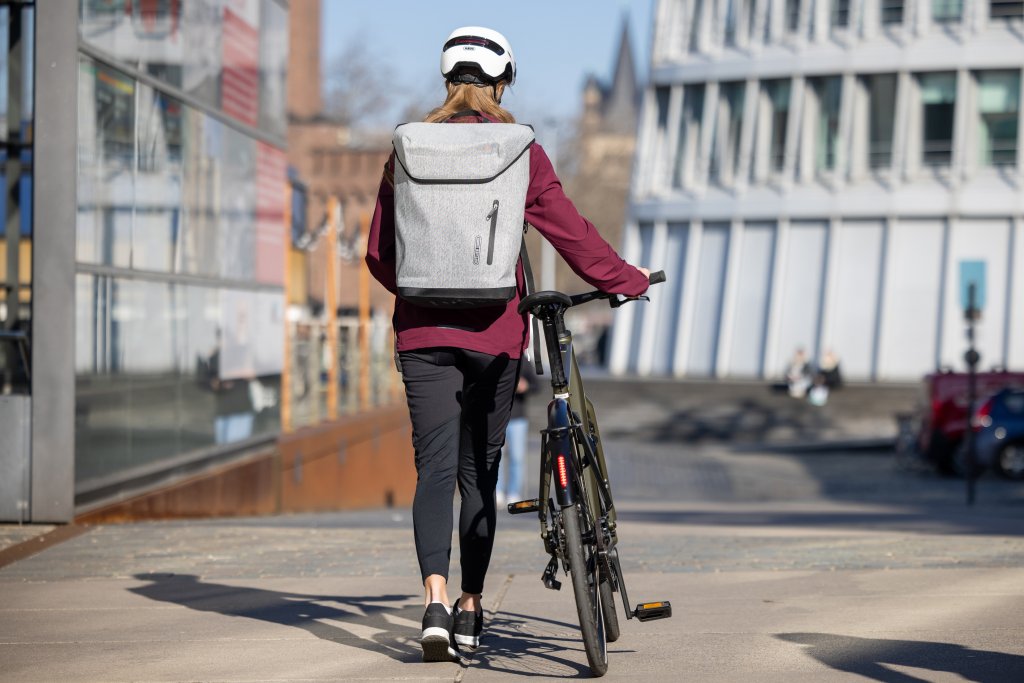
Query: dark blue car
[{"x": 999, "y": 433}]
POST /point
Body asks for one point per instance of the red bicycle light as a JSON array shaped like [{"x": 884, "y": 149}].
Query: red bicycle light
[{"x": 563, "y": 477}]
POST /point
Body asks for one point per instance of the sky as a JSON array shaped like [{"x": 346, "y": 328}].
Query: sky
[{"x": 557, "y": 43}]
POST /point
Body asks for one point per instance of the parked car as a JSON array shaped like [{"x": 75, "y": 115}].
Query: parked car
[
  {"x": 999, "y": 433},
  {"x": 944, "y": 410}
]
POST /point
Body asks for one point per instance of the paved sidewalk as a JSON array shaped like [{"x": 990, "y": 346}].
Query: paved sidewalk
[
  {"x": 13, "y": 534},
  {"x": 781, "y": 567},
  {"x": 775, "y": 591}
]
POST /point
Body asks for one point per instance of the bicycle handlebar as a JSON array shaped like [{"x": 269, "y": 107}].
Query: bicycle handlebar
[{"x": 613, "y": 299}]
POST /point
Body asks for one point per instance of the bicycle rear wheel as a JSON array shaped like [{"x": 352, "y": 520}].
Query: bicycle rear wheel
[{"x": 583, "y": 567}]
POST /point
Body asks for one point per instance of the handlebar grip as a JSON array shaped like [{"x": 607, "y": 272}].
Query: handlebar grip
[{"x": 656, "y": 277}]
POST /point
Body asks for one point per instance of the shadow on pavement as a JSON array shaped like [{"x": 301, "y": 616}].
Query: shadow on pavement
[
  {"x": 531, "y": 646},
  {"x": 868, "y": 656},
  {"x": 911, "y": 519},
  {"x": 733, "y": 421},
  {"x": 362, "y": 614}
]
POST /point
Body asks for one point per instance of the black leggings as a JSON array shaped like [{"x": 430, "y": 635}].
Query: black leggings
[{"x": 459, "y": 403}]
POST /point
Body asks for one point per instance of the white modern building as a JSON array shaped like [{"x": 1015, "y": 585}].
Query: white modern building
[{"x": 815, "y": 174}]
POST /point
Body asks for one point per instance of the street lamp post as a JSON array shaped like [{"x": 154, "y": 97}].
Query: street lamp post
[{"x": 972, "y": 357}]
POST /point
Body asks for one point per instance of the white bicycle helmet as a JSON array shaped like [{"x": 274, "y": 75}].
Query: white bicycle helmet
[{"x": 473, "y": 54}]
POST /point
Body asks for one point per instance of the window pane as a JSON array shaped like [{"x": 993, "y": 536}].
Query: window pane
[
  {"x": 698, "y": 10},
  {"x": 778, "y": 97},
  {"x": 946, "y": 10},
  {"x": 1006, "y": 9},
  {"x": 204, "y": 140},
  {"x": 102, "y": 390},
  {"x": 661, "y": 95},
  {"x": 881, "y": 115},
  {"x": 840, "y": 13},
  {"x": 240, "y": 62},
  {"x": 155, "y": 241},
  {"x": 237, "y": 234},
  {"x": 273, "y": 67},
  {"x": 106, "y": 162},
  {"x": 731, "y": 17},
  {"x": 16, "y": 125},
  {"x": 998, "y": 106},
  {"x": 107, "y": 24},
  {"x": 828, "y": 92},
  {"x": 688, "y": 145},
  {"x": 892, "y": 11},
  {"x": 165, "y": 368},
  {"x": 202, "y": 59},
  {"x": 658, "y": 144},
  {"x": 792, "y": 15},
  {"x": 726, "y": 151},
  {"x": 938, "y": 99},
  {"x": 157, "y": 28}
]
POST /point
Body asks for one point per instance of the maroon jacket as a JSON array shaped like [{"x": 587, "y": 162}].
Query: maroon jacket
[{"x": 496, "y": 330}]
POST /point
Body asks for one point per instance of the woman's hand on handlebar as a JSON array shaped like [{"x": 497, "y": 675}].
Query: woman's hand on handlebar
[{"x": 647, "y": 274}]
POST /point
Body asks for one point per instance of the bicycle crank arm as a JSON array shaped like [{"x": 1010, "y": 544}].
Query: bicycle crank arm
[{"x": 649, "y": 611}]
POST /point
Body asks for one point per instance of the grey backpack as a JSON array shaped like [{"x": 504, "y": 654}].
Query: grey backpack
[{"x": 460, "y": 196}]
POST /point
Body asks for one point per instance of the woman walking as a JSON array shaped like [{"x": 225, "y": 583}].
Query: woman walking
[{"x": 460, "y": 367}]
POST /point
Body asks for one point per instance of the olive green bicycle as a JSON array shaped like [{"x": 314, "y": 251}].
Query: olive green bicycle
[{"x": 575, "y": 506}]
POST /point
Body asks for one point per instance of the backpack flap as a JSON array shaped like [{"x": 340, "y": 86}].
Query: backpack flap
[{"x": 463, "y": 153}]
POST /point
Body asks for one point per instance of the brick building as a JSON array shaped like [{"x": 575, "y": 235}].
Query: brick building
[{"x": 331, "y": 159}]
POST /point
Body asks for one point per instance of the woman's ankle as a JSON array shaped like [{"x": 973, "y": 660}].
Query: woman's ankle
[
  {"x": 470, "y": 602},
  {"x": 435, "y": 590}
]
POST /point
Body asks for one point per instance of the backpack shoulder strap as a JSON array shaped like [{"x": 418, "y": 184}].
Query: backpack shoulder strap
[{"x": 530, "y": 289}]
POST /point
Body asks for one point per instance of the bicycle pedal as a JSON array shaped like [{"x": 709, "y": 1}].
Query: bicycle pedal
[
  {"x": 649, "y": 611},
  {"x": 548, "y": 577},
  {"x": 524, "y": 506}
]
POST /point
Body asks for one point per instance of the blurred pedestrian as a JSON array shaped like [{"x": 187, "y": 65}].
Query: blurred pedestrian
[
  {"x": 798, "y": 374},
  {"x": 828, "y": 368},
  {"x": 510, "y": 474},
  {"x": 460, "y": 366}
]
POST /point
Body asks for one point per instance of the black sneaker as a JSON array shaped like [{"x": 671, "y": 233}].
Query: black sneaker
[
  {"x": 437, "y": 642},
  {"x": 468, "y": 626}
]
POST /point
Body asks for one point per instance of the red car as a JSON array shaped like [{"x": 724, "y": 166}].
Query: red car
[{"x": 944, "y": 411}]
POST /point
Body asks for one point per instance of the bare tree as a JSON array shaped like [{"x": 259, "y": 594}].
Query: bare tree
[{"x": 358, "y": 89}]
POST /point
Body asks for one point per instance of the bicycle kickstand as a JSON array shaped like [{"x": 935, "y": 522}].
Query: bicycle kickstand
[{"x": 548, "y": 577}]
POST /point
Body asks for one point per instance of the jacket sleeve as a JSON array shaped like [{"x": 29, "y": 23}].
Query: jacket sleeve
[
  {"x": 573, "y": 236},
  {"x": 380, "y": 243}
]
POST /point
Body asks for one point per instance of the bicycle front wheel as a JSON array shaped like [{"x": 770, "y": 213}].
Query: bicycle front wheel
[
  {"x": 583, "y": 566},
  {"x": 611, "y": 617}
]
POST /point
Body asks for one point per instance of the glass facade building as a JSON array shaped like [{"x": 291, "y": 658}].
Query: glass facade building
[
  {"x": 179, "y": 276},
  {"x": 813, "y": 174},
  {"x": 17, "y": 97}
]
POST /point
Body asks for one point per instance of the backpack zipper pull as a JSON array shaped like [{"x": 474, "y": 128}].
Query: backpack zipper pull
[{"x": 493, "y": 217}]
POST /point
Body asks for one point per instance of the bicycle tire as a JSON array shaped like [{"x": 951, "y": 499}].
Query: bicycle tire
[
  {"x": 611, "y": 617},
  {"x": 588, "y": 600}
]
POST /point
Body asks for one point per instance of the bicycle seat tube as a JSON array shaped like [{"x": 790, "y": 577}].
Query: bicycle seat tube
[{"x": 555, "y": 335}]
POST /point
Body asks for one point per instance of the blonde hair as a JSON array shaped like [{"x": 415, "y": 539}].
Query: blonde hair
[{"x": 463, "y": 96}]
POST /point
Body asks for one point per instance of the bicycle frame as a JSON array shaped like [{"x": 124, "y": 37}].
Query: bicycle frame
[{"x": 573, "y": 467}]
